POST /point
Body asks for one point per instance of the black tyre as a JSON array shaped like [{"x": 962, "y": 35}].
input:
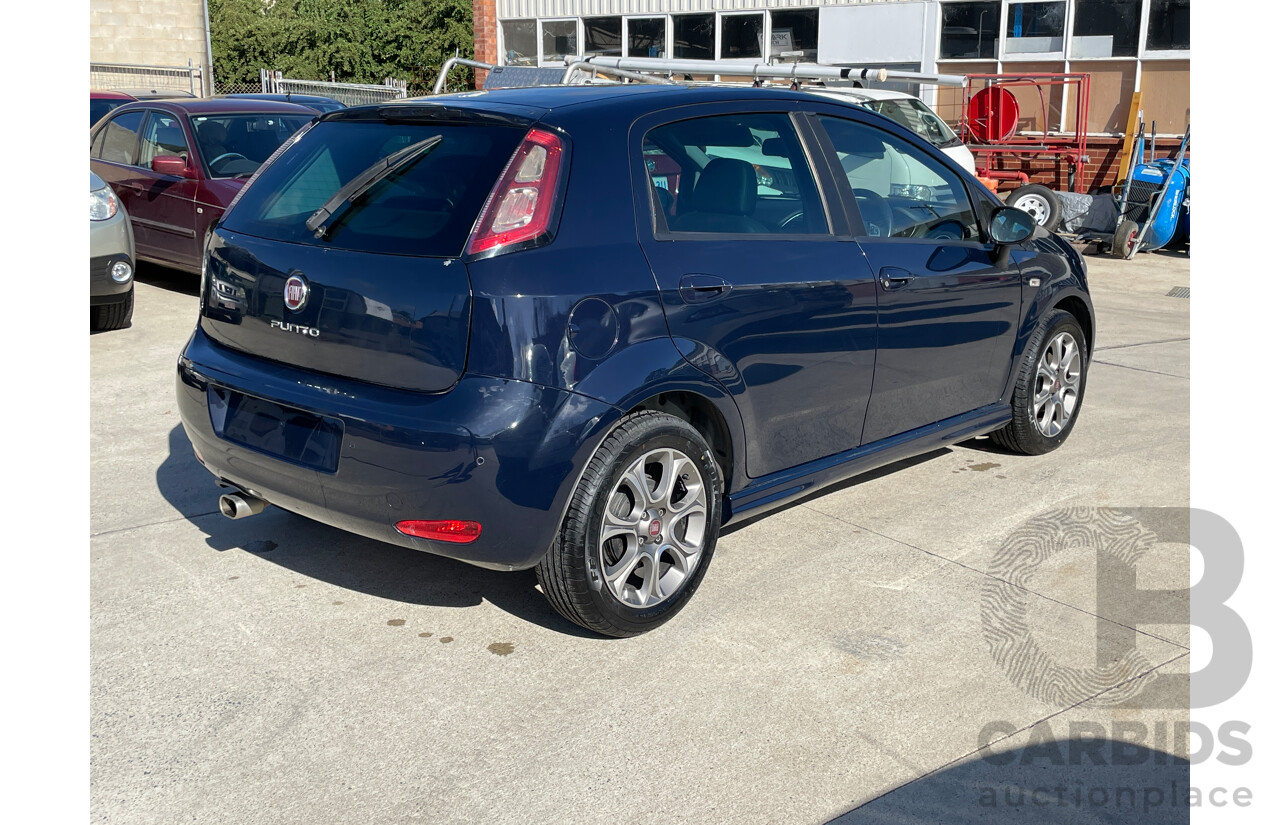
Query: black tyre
[
  {"x": 1050, "y": 388},
  {"x": 117, "y": 315},
  {"x": 640, "y": 530},
  {"x": 1039, "y": 202},
  {"x": 1125, "y": 239}
]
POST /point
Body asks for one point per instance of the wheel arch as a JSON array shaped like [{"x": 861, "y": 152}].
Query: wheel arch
[{"x": 1080, "y": 311}]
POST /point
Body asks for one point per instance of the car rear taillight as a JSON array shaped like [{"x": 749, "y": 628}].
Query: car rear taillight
[
  {"x": 521, "y": 205},
  {"x": 454, "y": 532}
]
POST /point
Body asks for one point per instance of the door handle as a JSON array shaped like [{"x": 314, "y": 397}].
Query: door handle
[
  {"x": 697, "y": 288},
  {"x": 891, "y": 277}
]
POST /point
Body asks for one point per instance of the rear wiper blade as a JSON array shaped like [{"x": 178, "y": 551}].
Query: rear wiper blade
[{"x": 320, "y": 220}]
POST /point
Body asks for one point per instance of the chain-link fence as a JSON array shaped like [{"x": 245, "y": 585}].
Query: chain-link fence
[{"x": 154, "y": 79}]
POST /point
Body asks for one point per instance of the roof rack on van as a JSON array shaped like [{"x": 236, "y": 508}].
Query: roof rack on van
[
  {"x": 760, "y": 71},
  {"x": 506, "y": 77}
]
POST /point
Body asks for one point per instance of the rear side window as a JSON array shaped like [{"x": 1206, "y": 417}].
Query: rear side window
[
  {"x": 426, "y": 206},
  {"x": 740, "y": 174},
  {"x": 119, "y": 142}
]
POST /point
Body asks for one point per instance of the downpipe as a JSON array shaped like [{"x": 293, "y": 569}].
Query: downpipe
[{"x": 240, "y": 505}]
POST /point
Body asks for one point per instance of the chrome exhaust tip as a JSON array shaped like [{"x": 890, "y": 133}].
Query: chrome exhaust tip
[{"x": 240, "y": 505}]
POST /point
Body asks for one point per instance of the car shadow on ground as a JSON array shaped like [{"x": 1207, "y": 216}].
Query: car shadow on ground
[
  {"x": 345, "y": 560},
  {"x": 1068, "y": 780},
  {"x": 173, "y": 280}
]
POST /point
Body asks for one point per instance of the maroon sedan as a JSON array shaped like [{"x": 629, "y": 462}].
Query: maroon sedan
[{"x": 176, "y": 165}]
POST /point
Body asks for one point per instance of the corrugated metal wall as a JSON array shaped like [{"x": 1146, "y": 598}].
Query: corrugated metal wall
[{"x": 515, "y": 9}]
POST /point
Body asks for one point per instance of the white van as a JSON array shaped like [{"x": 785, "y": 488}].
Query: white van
[{"x": 909, "y": 111}]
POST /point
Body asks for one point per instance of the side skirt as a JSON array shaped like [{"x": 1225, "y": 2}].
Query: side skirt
[{"x": 783, "y": 487}]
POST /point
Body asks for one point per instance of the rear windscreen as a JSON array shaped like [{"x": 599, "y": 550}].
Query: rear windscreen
[{"x": 426, "y": 206}]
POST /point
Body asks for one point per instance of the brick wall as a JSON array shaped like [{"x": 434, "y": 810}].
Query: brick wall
[
  {"x": 485, "y": 16},
  {"x": 1099, "y": 170},
  {"x": 147, "y": 32}
]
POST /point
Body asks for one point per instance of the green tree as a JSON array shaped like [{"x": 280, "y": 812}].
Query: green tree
[{"x": 359, "y": 41}]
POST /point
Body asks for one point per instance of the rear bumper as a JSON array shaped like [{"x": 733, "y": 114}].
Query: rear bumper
[{"x": 503, "y": 453}]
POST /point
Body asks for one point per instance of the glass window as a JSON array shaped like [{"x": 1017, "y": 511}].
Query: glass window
[
  {"x": 901, "y": 192},
  {"x": 741, "y": 35},
  {"x": 98, "y": 108},
  {"x": 647, "y": 37},
  {"x": 917, "y": 117},
  {"x": 970, "y": 30},
  {"x": 694, "y": 36},
  {"x": 794, "y": 31},
  {"x": 120, "y": 144},
  {"x": 1105, "y": 28},
  {"x": 1034, "y": 28},
  {"x": 520, "y": 42},
  {"x": 163, "y": 136},
  {"x": 602, "y": 35},
  {"x": 740, "y": 174},
  {"x": 559, "y": 38},
  {"x": 426, "y": 207},
  {"x": 1169, "y": 26},
  {"x": 234, "y": 146}
]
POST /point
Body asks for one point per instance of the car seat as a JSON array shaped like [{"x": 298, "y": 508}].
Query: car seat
[{"x": 723, "y": 200}]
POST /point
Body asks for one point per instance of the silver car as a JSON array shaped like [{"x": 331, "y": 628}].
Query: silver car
[{"x": 111, "y": 259}]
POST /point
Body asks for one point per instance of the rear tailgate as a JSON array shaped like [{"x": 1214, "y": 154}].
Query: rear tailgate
[
  {"x": 394, "y": 320},
  {"x": 331, "y": 263}
]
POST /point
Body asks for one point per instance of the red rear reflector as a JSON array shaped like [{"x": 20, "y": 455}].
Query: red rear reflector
[
  {"x": 520, "y": 206},
  {"x": 456, "y": 532}
]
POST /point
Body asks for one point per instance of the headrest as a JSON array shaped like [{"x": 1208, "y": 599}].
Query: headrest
[
  {"x": 854, "y": 138},
  {"x": 727, "y": 187},
  {"x": 775, "y": 148}
]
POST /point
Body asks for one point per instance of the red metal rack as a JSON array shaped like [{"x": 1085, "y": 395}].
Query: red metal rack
[{"x": 989, "y": 123}]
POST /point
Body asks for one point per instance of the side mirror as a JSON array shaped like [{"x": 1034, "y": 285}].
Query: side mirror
[
  {"x": 1010, "y": 225},
  {"x": 169, "y": 165}
]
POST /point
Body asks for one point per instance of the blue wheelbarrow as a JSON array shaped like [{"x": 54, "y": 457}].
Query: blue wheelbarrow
[{"x": 1155, "y": 205}]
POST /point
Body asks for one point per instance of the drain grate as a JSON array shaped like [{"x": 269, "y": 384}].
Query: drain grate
[{"x": 1179, "y": 292}]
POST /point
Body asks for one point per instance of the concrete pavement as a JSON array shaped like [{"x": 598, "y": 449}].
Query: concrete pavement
[{"x": 837, "y": 662}]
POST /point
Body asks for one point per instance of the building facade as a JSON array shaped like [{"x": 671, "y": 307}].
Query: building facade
[
  {"x": 1124, "y": 45},
  {"x": 151, "y": 33}
]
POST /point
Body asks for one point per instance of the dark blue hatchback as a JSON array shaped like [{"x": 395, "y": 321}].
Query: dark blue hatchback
[{"x": 583, "y": 328}]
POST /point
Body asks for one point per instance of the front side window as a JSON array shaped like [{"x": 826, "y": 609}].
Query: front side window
[
  {"x": 1035, "y": 28},
  {"x": 1169, "y": 26},
  {"x": 901, "y": 191},
  {"x": 234, "y": 146},
  {"x": 694, "y": 36},
  {"x": 970, "y": 30},
  {"x": 741, "y": 35},
  {"x": 1105, "y": 28},
  {"x": 739, "y": 174},
  {"x": 520, "y": 42},
  {"x": 163, "y": 136},
  {"x": 647, "y": 37},
  {"x": 559, "y": 38},
  {"x": 119, "y": 142}
]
